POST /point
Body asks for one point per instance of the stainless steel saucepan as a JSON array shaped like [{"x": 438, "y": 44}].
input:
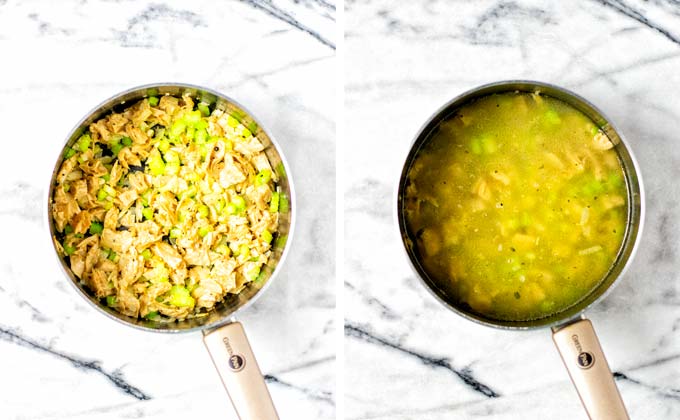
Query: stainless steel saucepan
[
  {"x": 224, "y": 338},
  {"x": 572, "y": 333}
]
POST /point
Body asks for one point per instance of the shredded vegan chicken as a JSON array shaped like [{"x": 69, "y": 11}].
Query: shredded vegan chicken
[{"x": 165, "y": 208}]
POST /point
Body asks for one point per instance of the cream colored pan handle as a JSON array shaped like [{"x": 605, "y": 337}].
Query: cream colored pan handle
[
  {"x": 582, "y": 355},
  {"x": 235, "y": 362}
]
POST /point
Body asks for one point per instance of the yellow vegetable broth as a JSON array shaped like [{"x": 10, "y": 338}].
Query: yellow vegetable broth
[{"x": 517, "y": 205}]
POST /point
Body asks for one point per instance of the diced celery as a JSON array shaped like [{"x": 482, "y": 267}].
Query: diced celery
[
  {"x": 66, "y": 187},
  {"x": 188, "y": 193},
  {"x": 280, "y": 171},
  {"x": 244, "y": 250},
  {"x": 111, "y": 301},
  {"x": 146, "y": 254},
  {"x": 274, "y": 203},
  {"x": 96, "y": 228},
  {"x": 84, "y": 142},
  {"x": 68, "y": 229},
  {"x": 240, "y": 203},
  {"x": 204, "y": 108},
  {"x": 177, "y": 129},
  {"x": 101, "y": 195},
  {"x": 113, "y": 256},
  {"x": 127, "y": 141},
  {"x": 201, "y": 125},
  {"x": 191, "y": 133},
  {"x": 153, "y": 100},
  {"x": 146, "y": 198},
  {"x": 180, "y": 296},
  {"x": 231, "y": 208},
  {"x": 203, "y": 211},
  {"x": 106, "y": 177},
  {"x": 69, "y": 153},
  {"x": 147, "y": 213},
  {"x": 192, "y": 117},
  {"x": 232, "y": 122},
  {"x": 280, "y": 241},
  {"x": 253, "y": 273},
  {"x": 116, "y": 148},
  {"x": 174, "y": 233},
  {"x": 201, "y": 136},
  {"x": 153, "y": 316},
  {"x": 109, "y": 190},
  {"x": 245, "y": 133},
  {"x": 164, "y": 146},
  {"x": 223, "y": 249},
  {"x": 204, "y": 230},
  {"x": 155, "y": 162},
  {"x": 263, "y": 177},
  {"x": 266, "y": 236},
  {"x": 69, "y": 249},
  {"x": 283, "y": 204}
]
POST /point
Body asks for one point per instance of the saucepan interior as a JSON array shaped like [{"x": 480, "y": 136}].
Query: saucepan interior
[
  {"x": 227, "y": 308},
  {"x": 632, "y": 178}
]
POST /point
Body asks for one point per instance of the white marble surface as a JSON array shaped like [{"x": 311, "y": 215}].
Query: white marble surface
[
  {"x": 407, "y": 356},
  {"x": 60, "y": 359}
]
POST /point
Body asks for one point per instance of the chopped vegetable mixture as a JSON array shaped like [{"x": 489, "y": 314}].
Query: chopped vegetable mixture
[{"x": 163, "y": 209}]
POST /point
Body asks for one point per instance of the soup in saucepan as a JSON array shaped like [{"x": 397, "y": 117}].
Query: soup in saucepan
[{"x": 516, "y": 206}]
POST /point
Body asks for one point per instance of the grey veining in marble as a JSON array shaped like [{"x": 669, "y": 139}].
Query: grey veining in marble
[
  {"x": 60, "y": 358},
  {"x": 408, "y": 356}
]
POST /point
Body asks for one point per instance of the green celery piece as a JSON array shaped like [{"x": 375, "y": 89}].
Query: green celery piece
[
  {"x": 174, "y": 233},
  {"x": 155, "y": 162},
  {"x": 116, "y": 148},
  {"x": 283, "y": 204},
  {"x": 232, "y": 122},
  {"x": 84, "y": 142},
  {"x": 263, "y": 177},
  {"x": 146, "y": 254},
  {"x": 164, "y": 146},
  {"x": 240, "y": 203},
  {"x": 68, "y": 229},
  {"x": 127, "y": 141},
  {"x": 203, "y": 210},
  {"x": 96, "y": 228},
  {"x": 204, "y": 108},
  {"x": 181, "y": 297},
  {"x": 147, "y": 213},
  {"x": 267, "y": 236},
  {"x": 177, "y": 129},
  {"x": 111, "y": 301},
  {"x": 280, "y": 170},
  {"x": 201, "y": 136},
  {"x": 153, "y": 316},
  {"x": 69, "y": 153},
  {"x": 69, "y": 249},
  {"x": 153, "y": 100},
  {"x": 204, "y": 230},
  {"x": 274, "y": 203},
  {"x": 280, "y": 241},
  {"x": 192, "y": 118}
]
